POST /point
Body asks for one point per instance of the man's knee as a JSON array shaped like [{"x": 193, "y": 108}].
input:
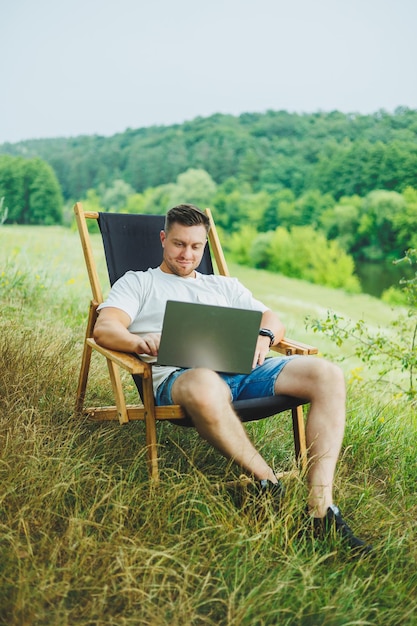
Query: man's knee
[
  {"x": 309, "y": 377},
  {"x": 326, "y": 369},
  {"x": 328, "y": 377},
  {"x": 200, "y": 388}
]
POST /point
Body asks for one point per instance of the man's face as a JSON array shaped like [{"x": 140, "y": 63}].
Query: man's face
[{"x": 183, "y": 248}]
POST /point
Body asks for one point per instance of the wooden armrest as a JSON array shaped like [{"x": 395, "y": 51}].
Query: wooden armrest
[
  {"x": 133, "y": 365},
  {"x": 127, "y": 361},
  {"x": 290, "y": 346}
]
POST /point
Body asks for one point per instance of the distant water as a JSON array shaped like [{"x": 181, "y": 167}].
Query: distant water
[{"x": 377, "y": 277}]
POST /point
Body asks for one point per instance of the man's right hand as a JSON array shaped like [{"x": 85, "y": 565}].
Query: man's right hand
[
  {"x": 111, "y": 331},
  {"x": 148, "y": 344}
]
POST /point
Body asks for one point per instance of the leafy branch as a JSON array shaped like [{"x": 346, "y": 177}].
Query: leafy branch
[{"x": 392, "y": 349}]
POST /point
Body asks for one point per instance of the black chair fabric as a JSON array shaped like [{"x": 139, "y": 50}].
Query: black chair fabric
[{"x": 131, "y": 242}]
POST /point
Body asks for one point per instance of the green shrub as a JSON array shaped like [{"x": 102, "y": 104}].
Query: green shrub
[
  {"x": 390, "y": 350},
  {"x": 300, "y": 252}
]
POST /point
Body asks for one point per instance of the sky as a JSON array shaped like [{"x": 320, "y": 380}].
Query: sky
[{"x": 84, "y": 67}]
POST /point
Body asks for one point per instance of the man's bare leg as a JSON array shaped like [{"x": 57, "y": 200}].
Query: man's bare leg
[
  {"x": 322, "y": 383},
  {"x": 206, "y": 399}
]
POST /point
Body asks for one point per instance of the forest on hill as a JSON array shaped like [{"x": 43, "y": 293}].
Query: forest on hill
[
  {"x": 316, "y": 196},
  {"x": 336, "y": 153}
]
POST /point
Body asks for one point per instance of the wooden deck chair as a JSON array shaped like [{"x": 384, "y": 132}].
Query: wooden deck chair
[{"x": 132, "y": 242}]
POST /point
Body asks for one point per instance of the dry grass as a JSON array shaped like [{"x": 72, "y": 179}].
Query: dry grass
[{"x": 86, "y": 540}]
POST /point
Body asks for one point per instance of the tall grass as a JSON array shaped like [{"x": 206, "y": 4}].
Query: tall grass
[{"x": 84, "y": 537}]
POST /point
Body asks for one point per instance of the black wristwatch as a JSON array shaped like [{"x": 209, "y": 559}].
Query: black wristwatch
[{"x": 265, "y": 332}]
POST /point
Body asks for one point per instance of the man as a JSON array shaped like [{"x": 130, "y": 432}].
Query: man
[{"x": 130, "y": 320}]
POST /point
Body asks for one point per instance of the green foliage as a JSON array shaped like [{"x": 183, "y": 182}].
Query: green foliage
[
  {"x": 153, "y": 201},
  {"x": 410, "y": 286},
  {"x": 352, "y": 178},
  {"x": 404, "y": 222},
  {"x": 195, "y": 186},
  {"x": 394, "y": 296},
  {"x": 259, "y": 250},
  {"x": 236, "y": 204},
  {"x": 239, "y": 244},
  {"x": 115, "y": 197},
  {"x": 300, "y": 252},
  {"x": 380, "y": 226},
  {"x": 12, "y": 185},
  {"x": 309, "y": 208},
  {"x": 279, "y": 211},
  {"x": 136, "y": 203},
  {"x": 341, "y": 222},
  {"x": 4, "y": 211},
  {"x": 31, "y": 191},
  {"x": 373, "y": 228},
  {"x": 376, "y": 230},
  {"x": 334, "y": 153},
  {"x": 391, "y": 350}
]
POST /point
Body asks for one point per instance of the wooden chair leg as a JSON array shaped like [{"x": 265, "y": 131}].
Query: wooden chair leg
[
  {"x": 119, "y": 397},
  {"x": 299, "y": 436},
  {"x": 83, "y": 378},
  {"x": 150, "y": 426},
  {"x": 86, "y": 359}
]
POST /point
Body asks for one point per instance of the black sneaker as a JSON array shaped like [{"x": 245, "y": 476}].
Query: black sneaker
[
  {"x": 270, "y": 492},
  {"x": 334, "y": 524},
  {"x": 256, "y": 497}
]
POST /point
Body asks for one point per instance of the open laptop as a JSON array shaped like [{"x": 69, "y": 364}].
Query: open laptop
[{"x": 204, "y": 335}]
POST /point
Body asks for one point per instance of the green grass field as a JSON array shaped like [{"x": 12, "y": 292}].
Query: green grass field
[{"x": 85, "y": 539}]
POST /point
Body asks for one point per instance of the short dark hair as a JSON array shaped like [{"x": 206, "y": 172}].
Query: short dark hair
[{"x": 187, "y": 215}]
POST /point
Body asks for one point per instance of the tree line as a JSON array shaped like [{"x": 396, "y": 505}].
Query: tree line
[
  {"x": 336, "y": 153},
  {"x": 305, "y": 195},
  {"x": 314, "y": 236}
]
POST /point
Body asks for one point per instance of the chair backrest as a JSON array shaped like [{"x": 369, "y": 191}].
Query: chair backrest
[{"x": 132, "y": 242}]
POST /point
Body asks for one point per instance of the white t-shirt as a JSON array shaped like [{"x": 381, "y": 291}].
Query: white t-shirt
[{"x": 143, "y": 296}]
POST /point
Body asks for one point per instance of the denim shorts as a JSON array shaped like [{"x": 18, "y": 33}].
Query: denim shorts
[{"x": 258, "y": 384}]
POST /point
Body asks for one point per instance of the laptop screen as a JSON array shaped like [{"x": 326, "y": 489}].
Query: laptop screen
[{"x": 219, "y": 338}]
